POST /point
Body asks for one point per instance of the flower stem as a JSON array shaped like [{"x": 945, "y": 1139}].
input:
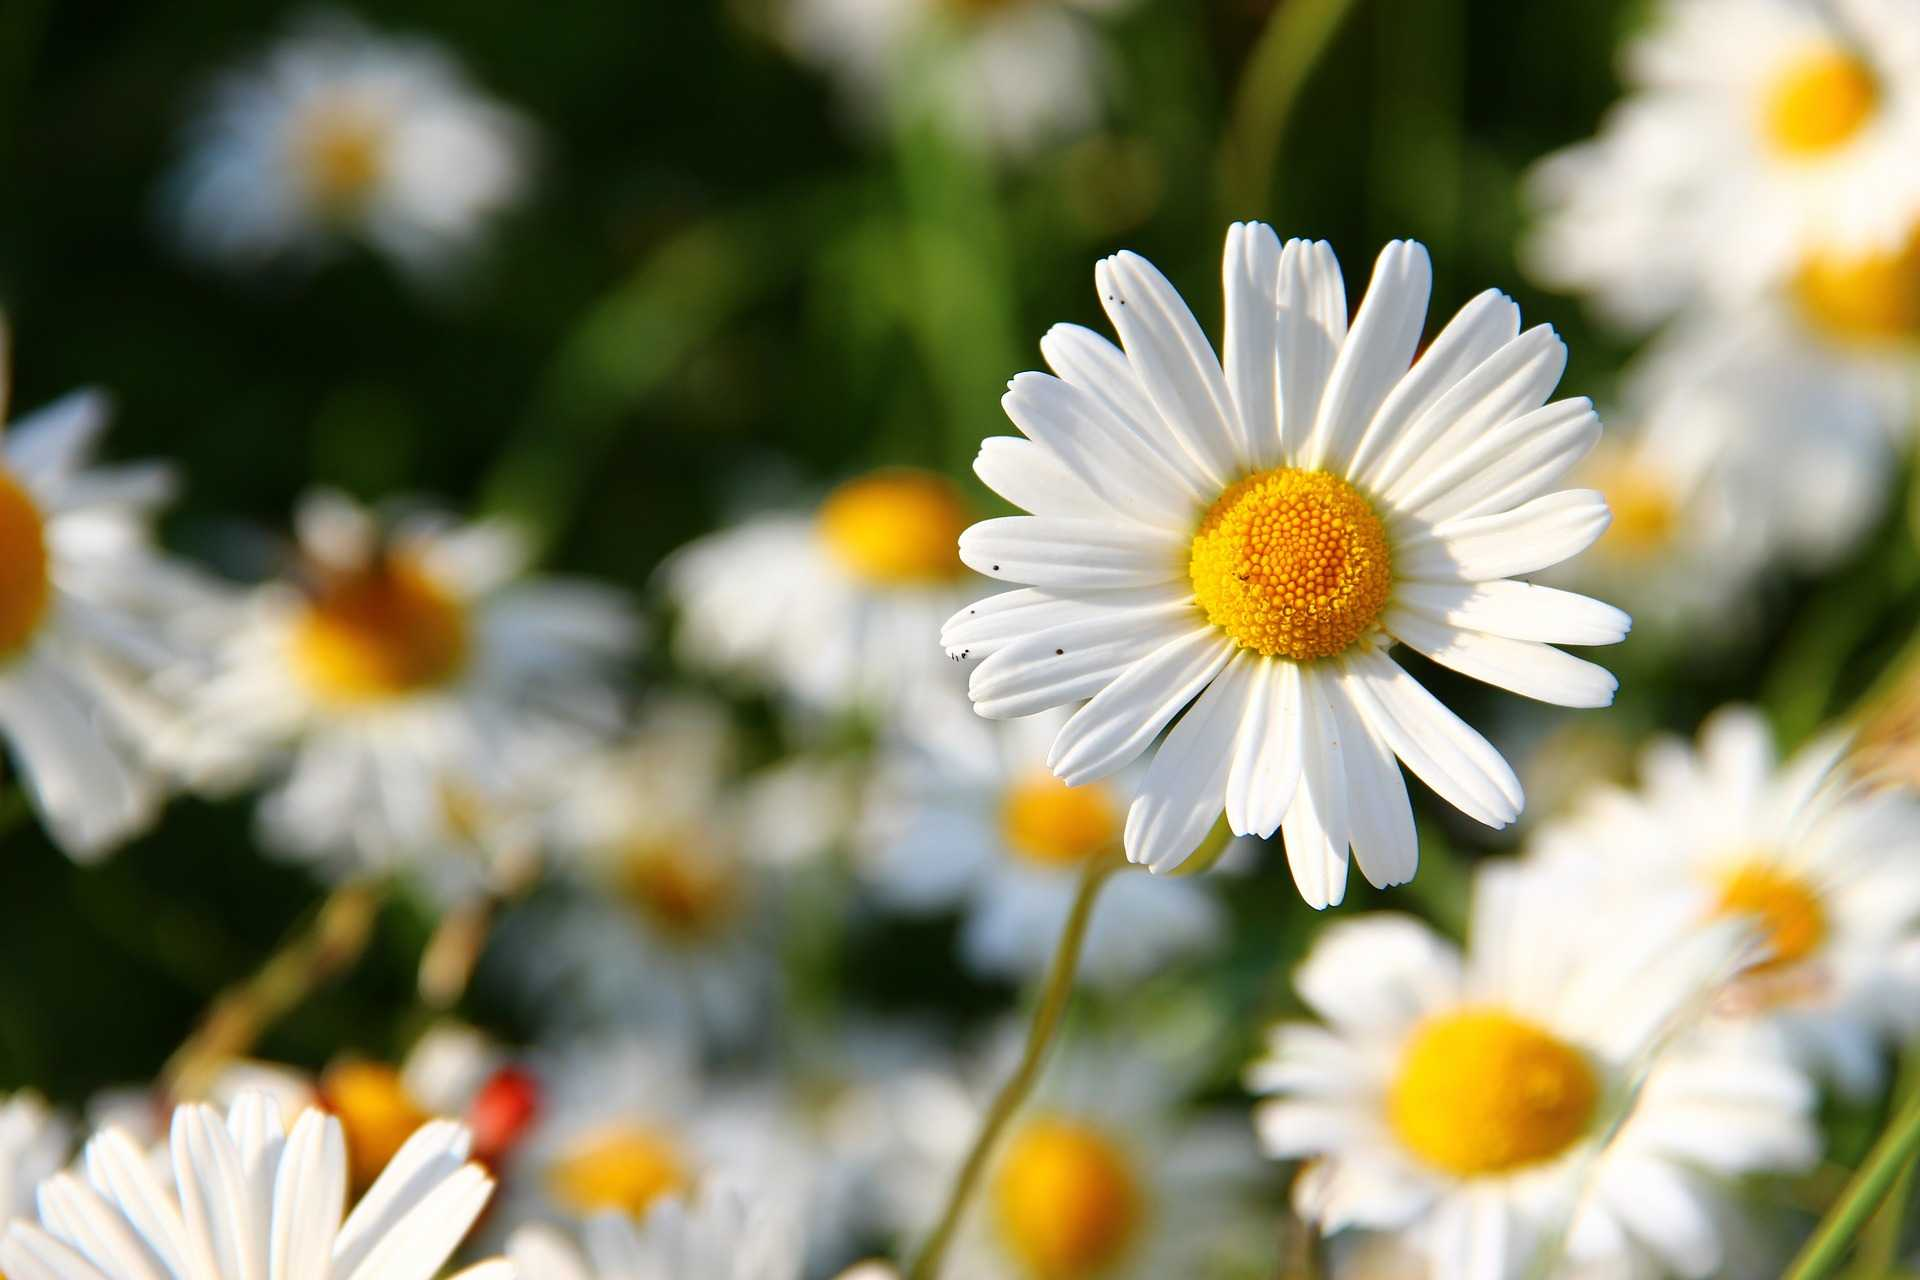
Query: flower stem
[
  {"x": 1040, "y": 1036},
  {"x": 1891, "y": 1155},
  {"x": 1277, "y": 70}
]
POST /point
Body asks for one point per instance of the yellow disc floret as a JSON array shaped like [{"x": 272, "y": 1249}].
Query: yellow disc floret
[
  {"x": 626, "y": 1169},
  {"x": 897, "y": 527},
  {"x": 1784, "y": 906},
  {"x": 339, "y": 155},
  {"x": 1481, "y": 1092},
  {"x": 1291, "y": 564},
  {"x": 1066, "y": 1200},
  {"x": 25, "y": 585},
  {"x": 679, "y": 888},
  {"x": 1871, "y": 298},
  {"x": 376, "y": 1111},
  {"x": 1818, "y": 101},
  {"x": 1050, "y": 823},
  {"x": 1645, "y": 511},
  {"x": 383, "y": 632}
]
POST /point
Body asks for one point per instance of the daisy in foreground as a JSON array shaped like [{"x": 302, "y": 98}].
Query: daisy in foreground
[
  {"x": 338, "y": 133},
  {"x": 1467, "y": 1102},
  {"x": 1245, "y": 542},
  {"x": 247, "y": 1195}
]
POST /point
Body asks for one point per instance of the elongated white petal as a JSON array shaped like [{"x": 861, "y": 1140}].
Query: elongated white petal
[
  {"x": 1100, "y": 449},
  {"x": 1378, "y": 350},
  {"x": 1315, "y": 828},
  {"x": 1071, "y": 662},
  {"x": 1266, "y": 756},
  {"x": 1088, "y": 361},
  {"x": 1531, "y": 537},
  {"x": 1181, "y": 796},
  {"x": 1521, "y": 666},
  {"x": 1479, "y": 329},
  {"x": 206, "y": 1176},
  {"x": 988, "y": 624},
  {"x": 1509, "y": 465},
  {"x": 1035, "y": 480},
  {"x": 1517, "y": 610},
  {"x": 78, "y": 1213},
  {"x": 1173, "y": 360},
  {"x": 120, "y": 1170},
  {"x": 1384, "y": 843},
  {"x": 1122, "y": 719},
  {"x": 1250, "y": 274},
  {"x": 429, "y": 1158},
  {"x": 1444, "y": 751},
  {"x": 419, "y": 1244},
  {"x": 1042, "y": 551},
  {"x": 29, "y": 1253},
  {"x": 309, "y": 1195},
  {"x": 1312, "y": 325}
]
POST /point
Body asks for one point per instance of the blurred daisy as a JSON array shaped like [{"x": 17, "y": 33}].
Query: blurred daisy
[
  {"x": 244, "y": 1193},
  {"x": 34, "y": 1143},
  {"x": 839, "y": 608},
  {"x": 1830, "y": 872},
  {"x": 1008, "y": 75},
  {"x": 414, "y": 678},
  {"x": 1763, "y": 140},
  {"x": 1103, "y": 1174},
  {"x": 719, "y": 1235},
  {"x": 998, "y": 836},
  {"x": 339, "y": 133},
  {"x": 1465, "y": 1101},
  {"x": 1245, "y": 543},
  {"x": 90, "y": 608}
]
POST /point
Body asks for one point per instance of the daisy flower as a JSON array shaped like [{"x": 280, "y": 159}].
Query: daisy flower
[
  {"x": 34, "y": 1143},
  {"x": 1003, "y": 75},
  {"x": 412, "y": 679},
  {"x": 90, "y": 609},
  {"x": 719, "y": 1235},
  {"x": 836, "y": 608},
  {"x": 337, "y": 133},
  {"x": 1760, "y": 137},
  {"x": 1829, "y": 872},
  {"x": 998, "y": 836},
  {"x": 246, "y": 1194},
  {"x": 1465, "y": 1101},
  {"x": 1246, "y": 542}
]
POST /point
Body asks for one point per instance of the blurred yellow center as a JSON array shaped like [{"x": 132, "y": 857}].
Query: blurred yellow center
[
  {"x": 381, "y": 633},
  {"x": 1066, "y": 1200},
  {"x": 1786, "y": 909},
  {"x": 340, "y": 155},
  {"x": 626, "y": 1170},
  {"x": 25, "y": 586},
  {"x": 1048, "y": 822},
  {"x": 376, "y": 1112},
  {"x": 1866, "y": 298},
  {"x": 1482, "y": 1092},
  {"x": 679, "y": 888},
  {"x": 1818, "y": 102},
  {"x": 1291, "y": 564},
  {"x": 896, "y": 527},
  {"x": 1645, "y": 514}
]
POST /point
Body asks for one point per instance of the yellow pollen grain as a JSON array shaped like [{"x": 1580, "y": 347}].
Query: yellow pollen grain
[
  {"x": 384, "y": 632},
  {"x": 678, "y": 887},
  {"x": 25, "y": 582},
  {"x": 340, "y": 156},
  {"x": 1047, "y": 822},
  {"x": 626, "y": 1169},
  {"x": 897, "y": 527},
  {"x": 1818, "y": 102},
  {"x": 1066, "y": 1200},
  {"x": 1291, "y": 564},
  {"x": 1786, "y": 909},
  {"x": 376, "y": 1112},
  {"x": 1480, "y": 1092},
  {"x": 1868, "y": 299}
]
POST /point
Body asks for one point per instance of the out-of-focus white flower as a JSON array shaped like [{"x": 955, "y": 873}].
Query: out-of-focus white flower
[
  {"x": 1466, "y": 1101},
  {"x": 996, "y": 835},
  {"x": 34, "y": 1142},
  {"x": 1829, "y": 871},
  {"x": 246, "y": 1191},
  {"x": 414, "y": 685},
  {"x": 339, "y": 133},
  {"x": 719, "y": 1234},
  {"x": 1231, "y": 548},
  {"x": 1008, "y": 75},
  {"x": 1759, "y": 137}
]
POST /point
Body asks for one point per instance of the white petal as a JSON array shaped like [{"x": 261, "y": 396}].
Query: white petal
[
  {"x": 52, "y": 441},
  {"x": 1378, "y": 350},
  {"x": 1123, "y": 718},
  {"x": 1173, "y": 360},
  {"x": 309, "y": 1195},
  {"x": 1250, "y": 273},
  {"x": 78, "y": 1213},
  {"x": 1044, "y": 551},
  {"x": 1384, "y": 843},
  {"x": 419, "y": 1244},
  {"x": 1442, "y": 749},
  {"x": 989, "y": 624},
  {"x": 121, "y": 1171},
  {"x": 1100, "y": 449},
  {"x": 29, "y": 1253},
  {"x": 1521, "y": 666},
  {"x": 1531, "y": 537},
  {"x": 1094, "y": 365},
  {"x": 1312, "y": 325},
  {"x": 1266, "y": 757},
  {"x": 430, "y": 1157},
  {"x": 1070, "y": 662},
  {"x": 1517, "y": 610},
  {"x": 1511, "y": 464},
  {"x": 1034, "y": 480},
  {"x": 1315, "y": 828},
  {"x": 1181, "y": 796},
  {"x": 213, "y": 1195},
  {"x": 91, "y": 796}
]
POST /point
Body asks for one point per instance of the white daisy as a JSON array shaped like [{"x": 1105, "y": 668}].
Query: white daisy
[
  {"x": 998, "y": 836},
  {"x": 339, "y": 133},
  {"x": 248, "y": 1196},
  {"x": 1252, "y": 539},
  {"x": 90, "y": 608},
  {"x": 1008, "y": 75},
  {"x": 720, "y": 1235},
  {"x": 1465, "y": 1101},
  {"x": 1831, "y": 872},
  {"x": 415, "y": 681},
  {"x": 34, "y": 1142},
  {"x": 1759, "y": 133}
]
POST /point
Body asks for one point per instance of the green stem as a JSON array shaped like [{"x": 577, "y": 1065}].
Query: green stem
[
  {"x": 1890, "y": 1157},
  {"x": 1040, "y": 1035},
  {"x": 1880, "y": 1241},
  {"x": 1278, "y": 69}
]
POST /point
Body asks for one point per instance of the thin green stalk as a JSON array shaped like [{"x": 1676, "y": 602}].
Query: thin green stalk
[
  {"x": 1282, "y": 61},
  {"x": 1883, "y": 1167},
  {"x": 1880, "y": 1241},
  {"x": 1040, "y": 1035}
]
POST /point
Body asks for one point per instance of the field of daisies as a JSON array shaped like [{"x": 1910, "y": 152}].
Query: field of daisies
[{"x": 969, "y": 639}]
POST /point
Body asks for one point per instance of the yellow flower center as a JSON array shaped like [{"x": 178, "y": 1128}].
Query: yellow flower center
[
  {"x": 1482, "y": 1092},
  {"x": 1786, "y": 909},
  {"x": 1645, "y": 514},
  {"x": 1291, "y": 564},
  {"x": 626, "y": 1169},
  {"x": 1066, "y": 1199},
  {"x": 376, "y": 1112},
  {"x": 381, "y": 633},
  {"x": 1819, "y": 101},
  {"x": 1871, "y": 298},
  {"x": 683, "y": 890},
  {"x": 1050, "y": 823},
  {"x": 339, "y": 156},
  {"x": 896, "y": 527},
  {"x": 25, "y": 584}
]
